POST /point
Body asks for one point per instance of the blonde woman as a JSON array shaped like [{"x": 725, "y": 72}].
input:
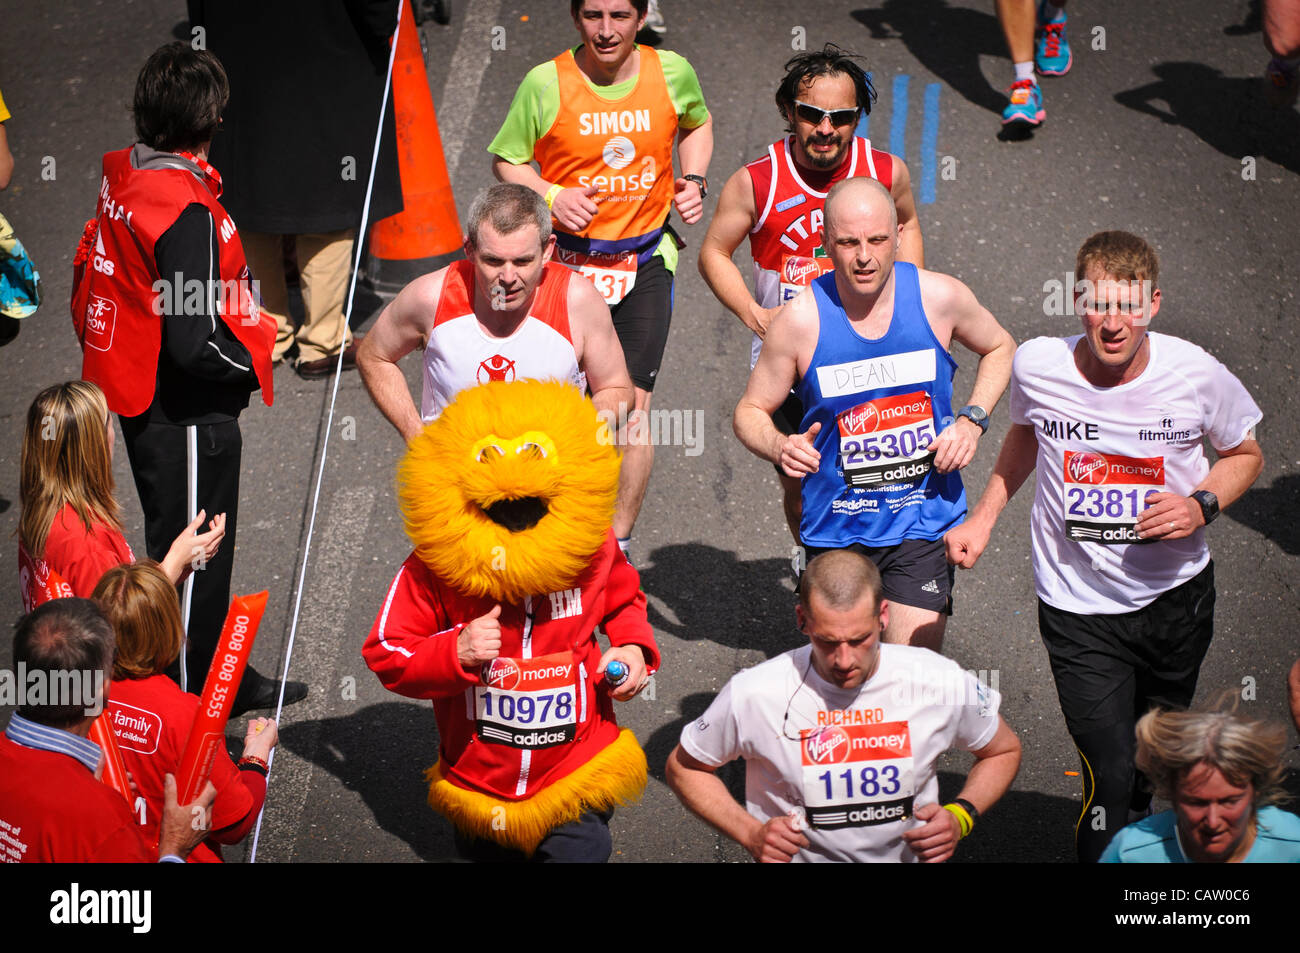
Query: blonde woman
[
  {"x": 152, "y": 717},
  {"x": 1223, "y": 774},
  {"x": 70, "y": 531}
]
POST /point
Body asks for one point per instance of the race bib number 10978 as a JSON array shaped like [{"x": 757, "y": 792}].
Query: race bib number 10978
[{"x": 527, "y": 703}]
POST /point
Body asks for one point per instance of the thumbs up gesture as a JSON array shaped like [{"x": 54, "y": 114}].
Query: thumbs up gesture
[
  {"x": 798, "y": 456},
  {"x": 480, "y": 641}
]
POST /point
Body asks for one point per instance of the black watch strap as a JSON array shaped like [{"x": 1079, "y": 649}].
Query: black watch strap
[
  {"x": 1209, "y": 505},
  {"x": 699, "y": 180}
]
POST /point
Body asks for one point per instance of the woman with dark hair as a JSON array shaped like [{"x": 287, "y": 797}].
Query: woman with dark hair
[
  {"x": 171, "y": 331},
  {"x": 152, "y": 718},
  {"x": 69, "y": 532},
  {"x": 1224, "y": 777}
]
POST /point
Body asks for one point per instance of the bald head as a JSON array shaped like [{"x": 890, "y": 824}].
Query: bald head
[
  {"x": 840, "y": 578},
  {"x": 856, "y": 198}
]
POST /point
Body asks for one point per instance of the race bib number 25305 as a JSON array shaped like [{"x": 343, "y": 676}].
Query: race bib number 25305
[{"x": 885, "y": 441}]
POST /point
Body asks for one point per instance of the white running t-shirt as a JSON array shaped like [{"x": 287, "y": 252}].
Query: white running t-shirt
[
  {"x": 1101, "y": 450},
  {"x": 850, "y": 764}
]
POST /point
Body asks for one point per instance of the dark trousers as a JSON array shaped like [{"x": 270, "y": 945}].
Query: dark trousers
[
  {"x": 166, "y": 468},
  {"x": 584, "y": 841},
  {"x": 1110, "y": 670}
]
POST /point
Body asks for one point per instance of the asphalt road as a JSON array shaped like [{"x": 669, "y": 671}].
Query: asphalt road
[{"x": 1159, "y": 129}]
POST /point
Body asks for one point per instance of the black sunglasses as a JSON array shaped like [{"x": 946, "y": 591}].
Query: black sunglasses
[{"x": 814, "y": 116}]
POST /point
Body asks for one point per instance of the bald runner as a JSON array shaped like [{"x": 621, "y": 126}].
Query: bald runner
[{"x": 866, "y": 349}]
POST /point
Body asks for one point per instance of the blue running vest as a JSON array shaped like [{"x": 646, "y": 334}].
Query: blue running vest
[{"x": 880, "y": 403}]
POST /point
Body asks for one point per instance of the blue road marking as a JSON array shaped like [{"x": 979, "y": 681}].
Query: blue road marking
[
  {"x": 898, "y": 125},
  {"x": 929, "y": 142}
]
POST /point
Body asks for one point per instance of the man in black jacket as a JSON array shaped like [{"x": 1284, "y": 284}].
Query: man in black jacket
[{"x": 306, "y": 82}]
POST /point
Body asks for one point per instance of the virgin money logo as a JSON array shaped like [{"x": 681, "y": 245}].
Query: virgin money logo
[
  {"x": 860, "y": 420},
  {"x": 502, "y": 673},
  {"x": 828, "y": 745},
  {"x": 496, "y": 368},
  {"x": 799, "y": 271},
  {"x": 1087, "y": 467}
]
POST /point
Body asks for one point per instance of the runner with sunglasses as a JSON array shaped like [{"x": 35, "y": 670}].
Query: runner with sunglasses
[
  {"x": 600, "y": 120},
  {"x": 777, "y": 201},
  {"x": 842, "y": 737}
]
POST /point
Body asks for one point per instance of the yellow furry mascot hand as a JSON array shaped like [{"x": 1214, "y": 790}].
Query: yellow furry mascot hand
[{"x": 508, "y": 498}]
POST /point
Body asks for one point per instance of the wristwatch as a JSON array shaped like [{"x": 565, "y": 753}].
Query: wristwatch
[
  {"x": 699, "y": 180},
  {"x": 1209, "y": 505},
  {"x": 976, "y": 415}
]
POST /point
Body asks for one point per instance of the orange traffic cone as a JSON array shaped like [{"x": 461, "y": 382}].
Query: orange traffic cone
[{"x": 426, "y": 235}]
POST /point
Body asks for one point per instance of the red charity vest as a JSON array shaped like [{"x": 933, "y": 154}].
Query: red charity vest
[
  {"x": 116, "y": 307},
  {"x": 788, "y": 230}
]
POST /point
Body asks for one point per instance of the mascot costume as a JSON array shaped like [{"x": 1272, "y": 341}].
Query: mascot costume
[{"x": 509, "y": 498}]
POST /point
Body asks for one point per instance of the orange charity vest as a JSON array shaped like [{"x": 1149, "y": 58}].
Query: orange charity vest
[{"x": 624, "y": 147}]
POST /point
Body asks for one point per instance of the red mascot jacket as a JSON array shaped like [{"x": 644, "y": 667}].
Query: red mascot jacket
[{"x": 531, "y": 735}]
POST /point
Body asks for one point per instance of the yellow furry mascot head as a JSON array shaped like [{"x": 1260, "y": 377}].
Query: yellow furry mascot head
[{"x": 511, "y": 490}]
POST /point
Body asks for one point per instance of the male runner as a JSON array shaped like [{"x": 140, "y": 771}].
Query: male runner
[
  {"x": 878, "y": 449},
  {"x": 508, "y": 312},
  {"x": 600, "y": 120},
  {"x": 777, "y": 201},
  {"x": 1114, "y": 419},
  {"x": 841, "y": 738}
]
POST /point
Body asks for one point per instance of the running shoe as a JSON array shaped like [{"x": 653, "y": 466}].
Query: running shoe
[
  {"x": 1026, "y": 104},
  {"x": 1052, "y": 55},
  {"x": 654, "y": 20},
  {"x": 1281, "y": 83}
]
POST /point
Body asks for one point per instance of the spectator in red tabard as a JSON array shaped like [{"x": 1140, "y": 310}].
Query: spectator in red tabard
[
  {"x": 69, "y": 532},
  {"x": 152, "y": 717},
  {"x": 53, "y": 807}
]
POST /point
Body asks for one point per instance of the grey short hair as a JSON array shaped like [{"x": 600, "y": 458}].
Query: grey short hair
[{"x": 508, "y": 207}]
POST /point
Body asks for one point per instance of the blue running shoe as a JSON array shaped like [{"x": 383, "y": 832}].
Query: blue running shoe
[
  {"x": 1026, "y": 104},
  {"x": 1052, "y": 55}
]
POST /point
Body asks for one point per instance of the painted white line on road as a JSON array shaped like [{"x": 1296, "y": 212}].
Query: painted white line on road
[
  {"x": 339, "y": 549},
  {"x": 464, "y": 77}
]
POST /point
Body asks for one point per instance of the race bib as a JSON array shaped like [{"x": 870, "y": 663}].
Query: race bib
[
  {"x": 614, "y": 275},
  {"x": 857, "y": 775},
  {"x": 884, "y": 441},
  {"x": 798, "y": 272},
  {"x": 1105, "y": 494},
  {"x": 527, "y": 703}
]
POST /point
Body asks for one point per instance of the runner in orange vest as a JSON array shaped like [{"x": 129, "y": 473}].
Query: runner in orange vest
[{"x": 599, "y": 120}]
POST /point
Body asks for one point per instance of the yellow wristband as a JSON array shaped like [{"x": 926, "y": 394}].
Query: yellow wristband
[
  {"x": 551, "y": 193},
  {"x": 963, "y": 819}
]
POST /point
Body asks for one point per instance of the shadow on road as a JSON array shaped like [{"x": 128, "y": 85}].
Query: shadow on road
[
  {"x": 1270, "y": 511},
  {"x": 699, "y": 585},
  {"x": 1228, "y": 113},
  {"x": 381, "y": 752},
  {"x": 948, "y": 42}
]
